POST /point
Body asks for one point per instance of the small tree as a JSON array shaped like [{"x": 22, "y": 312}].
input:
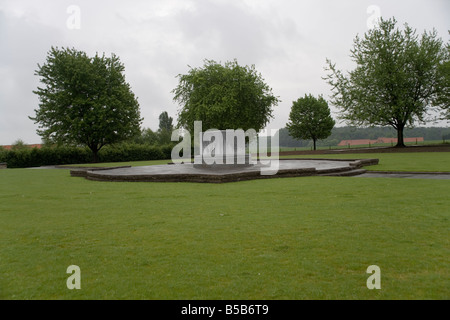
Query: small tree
[
  {"x": 310, "y": 119},
  {"x": 85, "y": 100},
  {"x": 165, "y": 122},
  {"x": 19, "y": 144},
  {"x": 226, "y": 96},
  {"x": 395, "y": 81},
  {"x": 165, "y": 128}
]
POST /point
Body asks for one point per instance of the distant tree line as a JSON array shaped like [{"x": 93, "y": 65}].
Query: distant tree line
[
  {"x": 161, "y": 137},
  {"x": 353, "y": 133}
]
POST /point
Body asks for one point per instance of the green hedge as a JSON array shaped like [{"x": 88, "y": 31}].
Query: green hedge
[
  {"x": 134, "y": 152},
  {"x": 74, "y": 155}
]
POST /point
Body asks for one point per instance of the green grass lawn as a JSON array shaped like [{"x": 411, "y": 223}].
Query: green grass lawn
[
  {"x": 408, "y": 161},
  {"x": 292, "y": 238}
]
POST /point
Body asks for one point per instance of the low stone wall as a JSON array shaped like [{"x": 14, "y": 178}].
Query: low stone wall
[
  {"x": 199, "y": 178},
  {"x": 355, "y": 162},
  {"x": 82, "y": 171},
  {"x": 3, "y": 165},
  {"x": 351, "y": 167}
]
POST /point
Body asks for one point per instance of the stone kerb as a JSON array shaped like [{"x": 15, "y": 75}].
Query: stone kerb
[{"x": 83, "y": 171}]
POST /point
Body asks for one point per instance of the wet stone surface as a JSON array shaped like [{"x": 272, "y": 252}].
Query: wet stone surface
[{"x": 217, "y": 174}]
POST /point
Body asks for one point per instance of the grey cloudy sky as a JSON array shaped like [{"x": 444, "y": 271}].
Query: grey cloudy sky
[{"x": 287, "y": 40}]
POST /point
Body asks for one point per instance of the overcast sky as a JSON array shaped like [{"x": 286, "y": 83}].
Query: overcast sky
[{"x": 288, "y": 41}]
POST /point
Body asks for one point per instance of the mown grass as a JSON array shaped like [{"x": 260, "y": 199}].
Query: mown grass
[
  {"x": 292, "y": 238},
  {"x": 408, "y": 161}
]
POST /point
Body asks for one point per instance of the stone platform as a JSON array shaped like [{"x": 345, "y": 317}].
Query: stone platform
[{"x": 187, "y": 173}]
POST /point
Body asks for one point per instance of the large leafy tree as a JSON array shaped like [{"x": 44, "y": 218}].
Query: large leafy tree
[
  {"x": 226, "y": 96},
  {"x": 85, "y": 100},
  {"x": 310, "y": 119},
  {"x": 443, "y": 97},
  {"x": 396, "y": 80}
]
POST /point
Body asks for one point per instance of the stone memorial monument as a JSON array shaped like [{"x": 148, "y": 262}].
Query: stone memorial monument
[{"x": 218, "y": 149}]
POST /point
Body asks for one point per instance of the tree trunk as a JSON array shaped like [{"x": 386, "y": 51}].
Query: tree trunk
[
  {"x": 95, "y": 156},
  {"x": 400, "y": 142},
  {"x": 314, "y": 141},
  {"x": 95, "y": 151}
]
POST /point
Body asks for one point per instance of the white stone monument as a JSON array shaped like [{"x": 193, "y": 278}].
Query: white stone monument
[{"x": 223, "y": 149}]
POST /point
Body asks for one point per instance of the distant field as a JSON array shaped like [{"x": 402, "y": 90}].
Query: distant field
[{"x": 420, "y": 143}]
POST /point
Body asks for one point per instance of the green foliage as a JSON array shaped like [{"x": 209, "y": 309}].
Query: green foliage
[
  {"x": 162, "y": 137},
  {"x": 25, "y": 158},
  {"x": 396, "y": 79},
  {"x": 46, "y": 156},
  {"x": 147, "y": 136},
  {"x": 158, "y": 138},
  {"x": 226, "y": 96},
  {"x": 310, "y": 119},
  {"x": 85, "y": 100},
  {"x": 164, "y": 133},
  {"x": 133, "y": 152},
  {"x": 443, "y": 97},
  {"x": 165, "y": 122},
  {"x": 19, "y": 145}
]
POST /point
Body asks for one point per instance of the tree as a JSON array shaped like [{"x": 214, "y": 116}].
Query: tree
[
  {"x": 85, "y": 100},
  {"x": 165, "y": 128},
  {"x": 310, "y": 119},
  {"x": 147, "y": 136},
  {"x": 395, "y": 80},
  {"x": 19, "y": 144},
  {"x": 226, "y": 96},
  {"x": 443, "y": 97},
  {"x": 165, "y": 122}
]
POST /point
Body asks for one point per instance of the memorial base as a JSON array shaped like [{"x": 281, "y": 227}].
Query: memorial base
[{"x": 227, "y": 162}]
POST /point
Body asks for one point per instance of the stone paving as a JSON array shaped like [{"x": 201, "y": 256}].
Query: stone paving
[{"x": 189, "y": 173}]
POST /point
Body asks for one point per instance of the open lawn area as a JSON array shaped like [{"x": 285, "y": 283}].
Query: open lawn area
[
  {"x": 291, "y": 238},
  {"x": 410, "y": 161}
]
